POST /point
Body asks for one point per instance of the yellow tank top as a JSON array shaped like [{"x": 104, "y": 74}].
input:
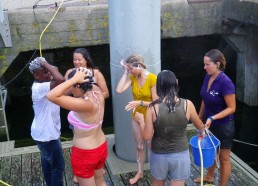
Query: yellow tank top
[{"x": 143, "y": 93}]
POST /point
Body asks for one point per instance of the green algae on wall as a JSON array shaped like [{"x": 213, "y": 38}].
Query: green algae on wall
[
  {"x": 72, "y": 39},
  {"x": 171, "y": 23},
  {"x": 3, "y": 64}
]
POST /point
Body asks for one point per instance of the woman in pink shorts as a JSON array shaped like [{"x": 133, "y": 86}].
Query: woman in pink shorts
[{"x": 89, "y": 150}]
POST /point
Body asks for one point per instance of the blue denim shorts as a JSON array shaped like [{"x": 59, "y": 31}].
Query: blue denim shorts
[{"x": 176, "y": 165}]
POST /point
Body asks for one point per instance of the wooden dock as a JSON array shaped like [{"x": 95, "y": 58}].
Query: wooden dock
[{"x": 22, "y": 167}]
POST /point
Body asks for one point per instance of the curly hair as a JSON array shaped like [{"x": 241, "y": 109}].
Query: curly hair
[{"x": 86, "y": 86}]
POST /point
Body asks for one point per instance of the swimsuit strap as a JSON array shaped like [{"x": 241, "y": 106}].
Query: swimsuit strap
[{"x": 97, "y": 101}]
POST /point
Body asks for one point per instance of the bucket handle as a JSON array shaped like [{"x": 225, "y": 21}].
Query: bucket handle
[{"x": 208, "y": 132}]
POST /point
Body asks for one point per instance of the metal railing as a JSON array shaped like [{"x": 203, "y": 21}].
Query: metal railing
[
  {"x": 4, "y": 26},
  {"x": 3, "y": 121}
]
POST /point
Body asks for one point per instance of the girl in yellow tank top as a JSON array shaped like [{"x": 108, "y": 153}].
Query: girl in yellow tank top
[{"x": 144, "y": 92}]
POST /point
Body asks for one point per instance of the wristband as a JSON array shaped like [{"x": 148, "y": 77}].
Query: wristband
[
  {"x": 141, "y": 103},
  {"x": 211, "y": 118}
]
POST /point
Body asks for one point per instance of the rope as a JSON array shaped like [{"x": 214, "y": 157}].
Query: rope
[
  {"x": 201, "y": 158},
  {"x": 48, "y": 26},
  {"x": 215, "y": 149},
  {"x": 4, "y": 183},
  {"x": 116, "y": 65},
  {"x": 251, "y": 144},
  {"x": 19, "y": 72}
]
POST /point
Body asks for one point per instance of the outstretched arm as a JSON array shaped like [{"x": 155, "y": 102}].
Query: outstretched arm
[
  {"x": 194, "y": 118},
  {"x": 147, "y": 125}
]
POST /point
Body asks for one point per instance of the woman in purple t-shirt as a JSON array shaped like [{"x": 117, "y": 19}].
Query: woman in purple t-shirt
[{"x": 217, "y": 108}]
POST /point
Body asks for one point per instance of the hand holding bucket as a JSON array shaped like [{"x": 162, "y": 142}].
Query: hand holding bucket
[{"x": 209, "y": 145}]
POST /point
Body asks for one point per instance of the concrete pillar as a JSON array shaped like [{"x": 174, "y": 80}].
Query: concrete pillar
[
  {"x": 246, "y": 45},
  {"x": 134, "y": 27}
]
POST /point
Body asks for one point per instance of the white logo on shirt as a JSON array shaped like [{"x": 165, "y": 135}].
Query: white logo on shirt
[{"x": 213, "y": 93}]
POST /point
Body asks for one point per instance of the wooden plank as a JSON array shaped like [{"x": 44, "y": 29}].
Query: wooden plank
[
  {"x": 5, "y": 169},
  {"x": 238, "y": 167},
  {"x": 68, "y": 169},
  {"x": 37, "y": 177},
  {"x": 116, "y": 179},
  {"x": 16, "y": 170},
  {"x": 107, "y": 178},
  {"x": 240, "y": 175},
  {"x": 142, "y": 182},
  {"x": 126, "y": 177},
  {"x": 194, "y": 174},
  {"x": 147, "y": 176},
  {"x": 235, "y": 180},
  {"x": 26, "y": 169}
]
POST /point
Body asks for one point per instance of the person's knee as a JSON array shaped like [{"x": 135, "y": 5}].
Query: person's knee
[
  {"x": 140, "y": 146},
  {"x": 224, "y": 159}
]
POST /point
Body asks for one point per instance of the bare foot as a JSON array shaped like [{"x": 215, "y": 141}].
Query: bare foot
[
  {"x": 138, "y": 176},
  {"x": 206, "y": 179}
]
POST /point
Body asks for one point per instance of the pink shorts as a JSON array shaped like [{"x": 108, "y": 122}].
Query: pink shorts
[{"x": 85, "y": 162}]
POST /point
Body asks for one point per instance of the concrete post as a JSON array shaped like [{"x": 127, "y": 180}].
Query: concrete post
[
  {"x": 244, "y": 41},
  {"x": 134, "y": 27}
]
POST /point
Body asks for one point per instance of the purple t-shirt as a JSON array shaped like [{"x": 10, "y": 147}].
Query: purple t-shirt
[{"x": 214, "y": 98}]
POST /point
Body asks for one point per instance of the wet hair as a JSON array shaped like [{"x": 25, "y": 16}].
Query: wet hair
[
  {"x": 86, "y": 86},
  {"x": 216, "y": 56},
  {"x": 36, "y": 64},
  {"x": 86, "y": 56},
  {"x": 167, "y": 88},
  {"x": 135, "y": 60}
]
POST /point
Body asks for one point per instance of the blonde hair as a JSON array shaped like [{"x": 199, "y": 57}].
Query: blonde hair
[{"x": 136, "y": 60}]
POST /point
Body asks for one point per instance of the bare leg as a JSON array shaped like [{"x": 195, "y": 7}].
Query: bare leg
[
  {"x": 99, "y": 178},
  {"x": 225, "y": 166},
  {"x": 86, "y": 181},
  {"x": 177, "y": 182},
  {"x": 155, "y": 182},
  {"x": 209, "y": 176},
  {"x": 140, "y": 147}
]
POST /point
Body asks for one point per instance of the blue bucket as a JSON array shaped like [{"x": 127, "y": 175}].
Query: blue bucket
[{"x": 208, "y": 151}]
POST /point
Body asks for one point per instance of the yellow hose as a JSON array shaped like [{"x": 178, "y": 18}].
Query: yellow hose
[
  {"x": 3, "y": 183},
  {"x": 47, "y": 27},
  {"x": 201, "y": 159}
]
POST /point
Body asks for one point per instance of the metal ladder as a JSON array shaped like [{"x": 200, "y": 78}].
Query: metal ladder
[{"x": 3, "y": 121}]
